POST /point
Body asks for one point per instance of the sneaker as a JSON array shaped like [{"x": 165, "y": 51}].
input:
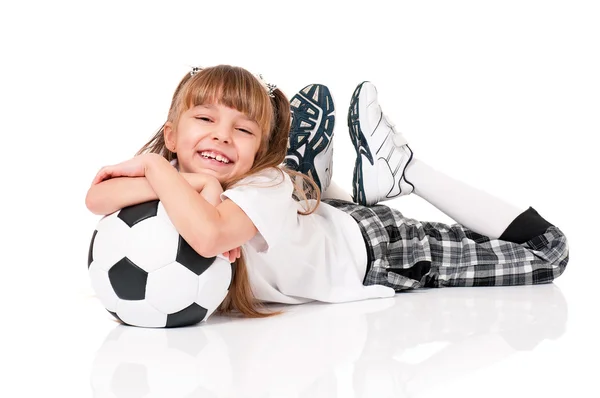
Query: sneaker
[
  {"x": 382, "y": 153},
  {"x": 310, "y": 146}
]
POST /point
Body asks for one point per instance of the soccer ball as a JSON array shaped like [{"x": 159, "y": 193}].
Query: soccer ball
[{"x": 145, "y": 274}]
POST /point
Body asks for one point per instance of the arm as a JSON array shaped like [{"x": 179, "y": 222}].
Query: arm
[
  {"x": 116, "y": 193},
  {"x": 209, "y": 230}
]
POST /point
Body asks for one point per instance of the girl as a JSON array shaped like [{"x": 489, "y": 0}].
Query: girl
[{"x": 217, "y": 165}]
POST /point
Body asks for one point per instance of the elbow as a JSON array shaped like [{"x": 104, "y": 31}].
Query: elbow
[
  {"x": 97, "y": 204},
  {"x": 91, "y": 203}
]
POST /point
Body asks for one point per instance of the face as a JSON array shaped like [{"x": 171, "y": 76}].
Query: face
[{"x": 214, "y": 139}]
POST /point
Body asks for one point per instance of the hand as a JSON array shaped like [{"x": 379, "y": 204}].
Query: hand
[
  {"x": 233, "y": 254},
  {"x": 135, "y": 167}
]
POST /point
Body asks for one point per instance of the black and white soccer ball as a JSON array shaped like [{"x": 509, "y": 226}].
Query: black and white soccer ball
[{"x": 145, "y": 274}]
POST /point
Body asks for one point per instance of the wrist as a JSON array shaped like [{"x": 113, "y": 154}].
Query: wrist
[
  {"x": 157, "y": 170},
  {"x": 153, "y": 161},
  {"x": 195, "y": 180},
  {"x": 206, "y": 180}
]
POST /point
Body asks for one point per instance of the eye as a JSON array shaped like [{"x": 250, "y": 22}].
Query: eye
[
  {"x": 245, "y": 130},
  {"x": 203, "y": 118}
]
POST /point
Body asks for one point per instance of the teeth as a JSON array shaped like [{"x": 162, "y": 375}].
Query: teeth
[{"x": 215, "y": 156}]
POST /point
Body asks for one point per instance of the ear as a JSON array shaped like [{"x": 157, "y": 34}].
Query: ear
[{"x": 169, "y": 136}]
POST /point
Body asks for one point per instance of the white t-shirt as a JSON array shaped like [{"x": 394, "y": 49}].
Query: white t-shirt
[{"x": 295, "y": 258}]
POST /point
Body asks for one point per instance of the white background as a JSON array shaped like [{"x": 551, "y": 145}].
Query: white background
[{"x": 504, "y": 95}]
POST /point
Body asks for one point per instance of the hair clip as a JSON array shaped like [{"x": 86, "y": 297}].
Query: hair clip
[
  {"x": 270, "y": 87},
  {"x": 195, "y": 69}
]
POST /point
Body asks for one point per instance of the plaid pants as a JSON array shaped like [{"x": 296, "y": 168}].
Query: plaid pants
[{"x": 404, "y": 253}]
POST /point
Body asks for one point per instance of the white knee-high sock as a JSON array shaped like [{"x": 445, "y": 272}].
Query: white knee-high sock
[
  {"x": 335, "y": 192},
  {"x": 469, "y": 206}
]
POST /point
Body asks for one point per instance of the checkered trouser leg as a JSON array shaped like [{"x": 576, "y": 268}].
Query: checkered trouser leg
[{"x": 404, "y": 253}]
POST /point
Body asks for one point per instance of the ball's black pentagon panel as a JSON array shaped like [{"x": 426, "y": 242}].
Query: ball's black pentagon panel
[
  {"x": 128, "y": 280},
  {"x": 90, "y": 252},
  {"x": 190, "y": 259},
  {"x": 132, "y": 215},
  {"x": 187, "y": 316}
]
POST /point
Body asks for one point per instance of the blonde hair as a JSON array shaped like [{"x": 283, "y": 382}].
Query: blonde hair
[{"x": 239, "y": 89}]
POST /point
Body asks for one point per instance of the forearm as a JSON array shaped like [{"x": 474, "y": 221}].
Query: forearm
[
  {"x": 117, "y": 193},
  {"x": 195, "y": 219}
]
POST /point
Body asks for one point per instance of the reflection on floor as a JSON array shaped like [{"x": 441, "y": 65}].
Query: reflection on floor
[{"x": 386, "y": 347}]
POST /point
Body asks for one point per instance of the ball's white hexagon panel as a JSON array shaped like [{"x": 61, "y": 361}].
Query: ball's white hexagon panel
[
  {"x": 101, "y": 285},
  {"x": 213, "y": 284},
  {"x": 140, "y": 313},
  {"x": 152, "y": 243},
  {"x": 171, "y": 288},
  {"x": 110, "y": 244}
]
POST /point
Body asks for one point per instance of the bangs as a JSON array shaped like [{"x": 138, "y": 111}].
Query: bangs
[{"x": 232, "y": 87}]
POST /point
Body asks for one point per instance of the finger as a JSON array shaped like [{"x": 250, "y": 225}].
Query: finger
[
  {"x": 105, "y": 173},
  {"x": 99, "y": 177}
]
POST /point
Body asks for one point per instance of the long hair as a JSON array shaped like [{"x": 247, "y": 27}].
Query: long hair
[{"x": 239, "y": 89}]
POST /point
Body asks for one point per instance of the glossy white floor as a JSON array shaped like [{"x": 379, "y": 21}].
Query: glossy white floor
[{"x": 457, "y": 342}]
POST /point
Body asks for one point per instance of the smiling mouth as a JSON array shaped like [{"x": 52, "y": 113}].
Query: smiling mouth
[{"x": 213, "y": 161}]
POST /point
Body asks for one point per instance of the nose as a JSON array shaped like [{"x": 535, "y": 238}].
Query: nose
[{"x": 222, "y": 133}]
